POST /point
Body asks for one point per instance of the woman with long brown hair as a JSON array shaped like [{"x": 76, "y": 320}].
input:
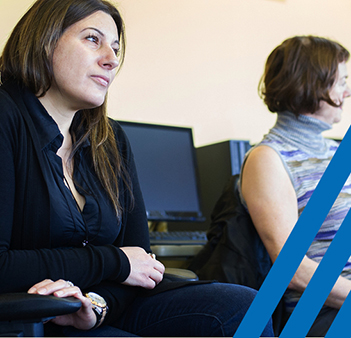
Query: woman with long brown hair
[{"x": 72, "y": 218}]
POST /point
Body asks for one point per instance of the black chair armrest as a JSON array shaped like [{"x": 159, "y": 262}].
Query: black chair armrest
[
  {"x": 176, "y": 274},
  {"x": 23, "y": 314},
  {"x": 24, "y": 306}
]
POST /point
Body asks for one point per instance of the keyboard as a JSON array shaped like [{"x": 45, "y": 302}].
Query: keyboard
[{"x": 178, "y": 238}]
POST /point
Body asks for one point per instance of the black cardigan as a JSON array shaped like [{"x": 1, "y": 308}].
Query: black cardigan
[{"x": 26, "y": 256}]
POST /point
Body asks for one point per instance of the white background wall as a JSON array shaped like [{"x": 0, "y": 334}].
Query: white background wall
[{"x": 197, "y": 63}]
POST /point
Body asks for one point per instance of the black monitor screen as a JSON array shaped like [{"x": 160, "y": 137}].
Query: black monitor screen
[{"x": 166, "y": 166}]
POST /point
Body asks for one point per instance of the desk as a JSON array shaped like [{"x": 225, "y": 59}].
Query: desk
[
  {"x": 176, "y": 256},
  {"x": 181, "y": 251}
]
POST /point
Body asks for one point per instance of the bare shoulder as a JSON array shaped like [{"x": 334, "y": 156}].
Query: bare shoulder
[
  {"x": 264, "y": 164},
  {"x": 265, "y": 180},
  {"x": 263, "y": 155}
]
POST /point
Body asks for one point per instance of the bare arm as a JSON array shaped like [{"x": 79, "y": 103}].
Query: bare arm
[{"x": 272, "y": 204}]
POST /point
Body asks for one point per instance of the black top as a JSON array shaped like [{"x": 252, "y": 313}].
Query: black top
[
  {"x": 97, "y": 223},
  {"x": 41, "y": 230}
]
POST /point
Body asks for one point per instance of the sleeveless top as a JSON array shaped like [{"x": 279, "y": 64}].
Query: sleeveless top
[{"x": 306, "y": 154}]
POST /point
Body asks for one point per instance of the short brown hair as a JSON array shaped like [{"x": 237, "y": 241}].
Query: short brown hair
[{"x": 299, "y": 74}]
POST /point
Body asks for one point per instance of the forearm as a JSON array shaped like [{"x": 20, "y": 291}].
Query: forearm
[
  {"x": 339, "y": 293},
  {"x": 304, "y": 274},
  {"x": 83, "y": 266}
]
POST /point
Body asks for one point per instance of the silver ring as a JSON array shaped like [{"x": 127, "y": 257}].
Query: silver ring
[{"x": 69, "y": 283}]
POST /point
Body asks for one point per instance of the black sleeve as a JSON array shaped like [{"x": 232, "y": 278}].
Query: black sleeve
[{"x": 22, "y": 268}]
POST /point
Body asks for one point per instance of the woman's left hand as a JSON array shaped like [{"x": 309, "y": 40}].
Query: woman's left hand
[{"x": 83, "y": 319}]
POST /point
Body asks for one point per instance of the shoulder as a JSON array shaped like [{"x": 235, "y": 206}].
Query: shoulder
[
  {"x": 115, "y": 125},
  {"x": 6, "y": 103},
  {"x": 118, "y": 131},
  {"x": 263, "y": 156},
  {"x": 121, "y": 138},
  {"x": 11, "y": 100},
  {"x": 264, "y": 170},
  {"x": 10, "y": 115}
]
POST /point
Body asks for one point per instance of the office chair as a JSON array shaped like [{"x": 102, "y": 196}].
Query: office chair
[{"x": 23, "y": 314}]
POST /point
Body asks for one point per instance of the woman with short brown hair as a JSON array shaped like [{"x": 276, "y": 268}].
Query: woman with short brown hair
[{"x": 305, "y": 84}]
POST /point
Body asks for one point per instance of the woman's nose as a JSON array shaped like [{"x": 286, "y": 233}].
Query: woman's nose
[{"x": 109, "y": 58}]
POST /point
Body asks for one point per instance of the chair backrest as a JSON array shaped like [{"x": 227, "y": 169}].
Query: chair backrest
[{"x": 234, "y": 252}]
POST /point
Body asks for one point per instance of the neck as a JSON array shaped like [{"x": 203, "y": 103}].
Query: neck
[
  {"x": 65, "y": 150},
  {"x": 304, "y": 132},
  {"x": 63, "y": 118},
  {"x": 61, "y": 115}
]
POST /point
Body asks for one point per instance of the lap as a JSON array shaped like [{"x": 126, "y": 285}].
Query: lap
[{"x": 214, "y": 309}]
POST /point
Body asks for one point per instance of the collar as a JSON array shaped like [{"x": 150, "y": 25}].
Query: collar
[
  {"x": 49, "y": 135},
  {"x": 302, "y": 131}
]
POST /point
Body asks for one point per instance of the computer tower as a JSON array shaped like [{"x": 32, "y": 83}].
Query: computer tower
[{"x": 216, "y": 163}]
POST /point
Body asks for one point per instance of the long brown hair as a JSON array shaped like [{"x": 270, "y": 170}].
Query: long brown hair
[
  {"x": 27, "y": 58},
  {"x": 299, "y": 74}
]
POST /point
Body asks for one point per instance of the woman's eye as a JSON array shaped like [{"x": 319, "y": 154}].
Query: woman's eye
[{"x": 93, "y": 38}]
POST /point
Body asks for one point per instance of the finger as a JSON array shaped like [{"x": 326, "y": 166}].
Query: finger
[
  {"x": 52, "y": 287},
  {"x": 149, "y": 284},
  {"x": 67, "y": 292},
  {"x": 48, "y": 287},
  {"x": 42, "y": 284},
  {"x": 152, "y": 255},
  {"x": 159, "y": 267},
  {"x": 156, "y": 276}
]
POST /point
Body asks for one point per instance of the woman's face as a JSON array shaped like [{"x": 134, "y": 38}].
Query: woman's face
[
  {"x": 338, "y": 93},
  {"x": 84, "y": 63}
]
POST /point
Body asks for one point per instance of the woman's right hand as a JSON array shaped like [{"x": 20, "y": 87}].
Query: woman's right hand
[
  {"x": 83, "y": 319},
  {"x": 145, "y": 271}
]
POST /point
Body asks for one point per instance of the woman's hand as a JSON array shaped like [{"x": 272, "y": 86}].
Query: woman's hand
[
  {"x": 83, "y": 319},
  {"x": 145, "y": 271}
]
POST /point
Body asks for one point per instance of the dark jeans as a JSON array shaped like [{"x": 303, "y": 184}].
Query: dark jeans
[{"x": 196, "y": 310}]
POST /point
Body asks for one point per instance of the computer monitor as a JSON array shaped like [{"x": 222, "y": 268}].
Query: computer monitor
[{"x": 167, "y": 170}]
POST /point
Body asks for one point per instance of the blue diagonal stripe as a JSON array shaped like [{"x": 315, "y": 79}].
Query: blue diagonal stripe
[
  {"x": 321, "y": 283},
  {"x": 298, "y": 243},
  {"x": 341, "y": 327}
]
